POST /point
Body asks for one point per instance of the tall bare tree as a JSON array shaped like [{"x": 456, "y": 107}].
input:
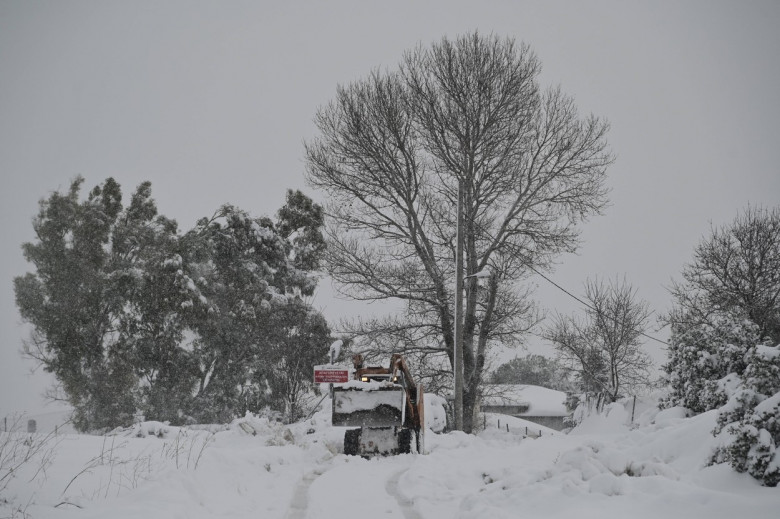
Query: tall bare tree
[
  {"x": 391, "y": 152},
  {"x": 605, "y": 347}
]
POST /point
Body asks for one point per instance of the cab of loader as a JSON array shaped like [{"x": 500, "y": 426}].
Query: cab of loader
[{"x": 385, "y": 378}]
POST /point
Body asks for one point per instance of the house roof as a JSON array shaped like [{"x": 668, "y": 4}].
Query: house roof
[{"x": 541, "y": 401}]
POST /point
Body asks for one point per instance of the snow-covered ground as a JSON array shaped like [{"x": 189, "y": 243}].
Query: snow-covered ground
[{"x": 604, "y": 468}]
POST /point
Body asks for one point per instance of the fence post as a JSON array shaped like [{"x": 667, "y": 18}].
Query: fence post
[
  {"x": 633, "y": 408},
  {"x": 507, "y": 427}
]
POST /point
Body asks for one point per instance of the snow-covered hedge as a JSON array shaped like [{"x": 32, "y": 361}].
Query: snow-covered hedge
[
  {"x": 702, "y": 356},
  {"x": 723, "y": 365},
  {"x": 749, "y": 422}
]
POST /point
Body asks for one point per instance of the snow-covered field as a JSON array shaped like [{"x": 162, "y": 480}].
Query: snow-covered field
[{"x": 604, "y": 468}]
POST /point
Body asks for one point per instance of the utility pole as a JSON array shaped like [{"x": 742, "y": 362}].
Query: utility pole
[{"x": 458, "y": 353}]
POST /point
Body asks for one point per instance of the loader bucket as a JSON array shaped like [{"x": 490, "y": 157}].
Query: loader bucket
[{"x": 380, "y": 407}]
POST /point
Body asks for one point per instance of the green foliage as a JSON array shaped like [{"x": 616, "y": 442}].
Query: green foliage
[
  {"x": 74, "y": 301},
  {"x": 535, "y": 370},
  {"x": 254, "y": 322},
  {"x": 300, "y": 223},
  {"x": 298, "y": 340},
  {"x": 751, "y": 417},
  {"x": 699, "y": 357},
  {"x": 131, "y": 316}
]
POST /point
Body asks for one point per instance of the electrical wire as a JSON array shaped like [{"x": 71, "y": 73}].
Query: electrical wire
[{"x": 586, "y": 304}]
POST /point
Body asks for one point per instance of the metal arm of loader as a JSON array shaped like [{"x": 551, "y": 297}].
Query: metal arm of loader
[{"x": 414, "y": 392}]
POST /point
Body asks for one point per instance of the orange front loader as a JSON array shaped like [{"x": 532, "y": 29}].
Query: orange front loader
[{"x": 387, "y": 407}]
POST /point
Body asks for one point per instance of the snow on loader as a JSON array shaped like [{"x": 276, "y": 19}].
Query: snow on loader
[{"x": 385, "y": 404}]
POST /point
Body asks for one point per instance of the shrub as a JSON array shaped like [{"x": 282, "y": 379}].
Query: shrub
[{"x": 751, "y": 417}]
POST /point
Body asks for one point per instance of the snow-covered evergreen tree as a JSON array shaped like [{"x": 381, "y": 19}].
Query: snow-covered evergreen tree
[
  {"x": 73, "y": 301},
  {"x": 256, "y": 334},
  {"x": 131, "y": 316},
  {"x": 700, "y": 356},
  {"x": 751, "y": 417},
  {"x": 535, "y": 370}
]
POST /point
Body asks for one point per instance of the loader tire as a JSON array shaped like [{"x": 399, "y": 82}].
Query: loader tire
[
  {"x": 405, "y": 441},
  {"x": 352, "y": 442}
]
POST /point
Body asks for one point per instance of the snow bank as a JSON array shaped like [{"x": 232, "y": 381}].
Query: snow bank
[
  {"x": 256, "y": 467},
  {"x": 613, "y": 419},
  {"x": 435, "y": 408}
]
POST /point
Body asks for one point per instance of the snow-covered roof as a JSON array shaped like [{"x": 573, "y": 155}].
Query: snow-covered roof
[{"x": 540, "y": 401}]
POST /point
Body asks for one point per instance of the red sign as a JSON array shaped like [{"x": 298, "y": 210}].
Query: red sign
[{"x": 330, "y": 375}]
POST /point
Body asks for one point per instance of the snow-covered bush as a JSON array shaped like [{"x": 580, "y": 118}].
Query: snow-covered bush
[
  {"x": 750, "y": 420},
  {"x": 701, "y": 356}
]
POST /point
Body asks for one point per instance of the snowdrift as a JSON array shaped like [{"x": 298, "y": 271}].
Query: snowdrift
[{"x": 255, "y": 467}]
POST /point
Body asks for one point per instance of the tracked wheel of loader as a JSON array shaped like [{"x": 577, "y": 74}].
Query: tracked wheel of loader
[
  {"x": 405, "y": 441},
  {"x": 352, "y": 442}
]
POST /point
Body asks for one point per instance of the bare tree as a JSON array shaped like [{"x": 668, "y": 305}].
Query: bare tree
[
  {"x": 735, "y": 270},
  {"x": 393, "y": 149},
  {"x": 604, "y": 347}
]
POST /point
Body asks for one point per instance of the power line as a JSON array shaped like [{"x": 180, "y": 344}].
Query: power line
[{"x": 586, "y": 304}]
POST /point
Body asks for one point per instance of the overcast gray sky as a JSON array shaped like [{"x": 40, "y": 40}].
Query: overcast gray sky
[{"x": 211, "y": 101}]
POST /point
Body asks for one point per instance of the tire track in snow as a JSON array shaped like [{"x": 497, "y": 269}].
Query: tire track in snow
[
  {"x": 404, "y": 504},
  {"x": 299, "y": 505}
]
